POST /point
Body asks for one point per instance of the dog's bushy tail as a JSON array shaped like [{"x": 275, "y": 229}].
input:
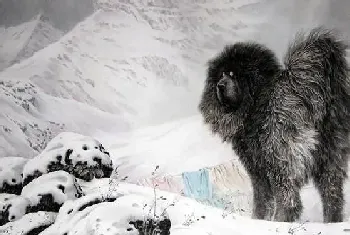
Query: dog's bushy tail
[{"x": 318, "y": 61}]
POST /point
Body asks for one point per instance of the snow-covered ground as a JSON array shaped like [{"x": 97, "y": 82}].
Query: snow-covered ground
[
  {"x": 137, "y": 203},
  {"x": 112, "y": 205},
  {"x": 175, "y": 147},
  {"x": 129, "y": 76}
]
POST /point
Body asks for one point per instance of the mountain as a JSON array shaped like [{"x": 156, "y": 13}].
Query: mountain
[
  {"x": 21, "y": 42},
  {"x": 43, "y": 35},
  {"x": 63, "y": 14},
  {"x": 130, "y": 64}
]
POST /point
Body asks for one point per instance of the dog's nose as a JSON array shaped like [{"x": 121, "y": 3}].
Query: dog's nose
[{"x": 221, "y": 86}]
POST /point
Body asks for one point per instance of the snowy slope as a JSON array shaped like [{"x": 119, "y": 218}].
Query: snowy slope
[
  {"x": 107, "y": 206},
  {"x": 187, "y": 216},
  {"x": 13, "y": 40},
  {"x": 137, "y": 203},
  {"x": 42, "y": 35},
  {"x": 131, "y": 64},
  {"x": 187, "y": 145},
  {"x": 178, "y": 146},
  {"x": 21, "y": 42}
]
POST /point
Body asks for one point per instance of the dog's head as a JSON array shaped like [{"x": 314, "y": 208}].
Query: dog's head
[{"x": 239, "y": 70}]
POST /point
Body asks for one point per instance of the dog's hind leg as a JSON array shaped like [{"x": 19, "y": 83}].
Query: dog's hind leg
[
  {"x": 288, "y": 201},
  {"x": 329, "y": 183},
  {"x": 262, "y": 198},
  {"x": 288, "y": 205}
]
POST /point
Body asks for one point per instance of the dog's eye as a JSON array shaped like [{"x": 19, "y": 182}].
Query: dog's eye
[{"x": 229, "y": 73}]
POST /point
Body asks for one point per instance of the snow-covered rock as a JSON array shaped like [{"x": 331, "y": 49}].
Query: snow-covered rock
[
  {"x": 11, "y": 169},
  {"x": 49, "y": 191},
  {"x": 80, "y": 155},
  {"x": 12, "y": 207},
  {"x": 45, "y": 193},
  {"x": 72, "y": 212},
  {"x": 115, "y": 215},
  {"x": 29, "y": 224}
]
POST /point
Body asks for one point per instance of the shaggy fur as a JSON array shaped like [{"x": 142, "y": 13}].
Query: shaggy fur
[{"x": 286, "y": 124}]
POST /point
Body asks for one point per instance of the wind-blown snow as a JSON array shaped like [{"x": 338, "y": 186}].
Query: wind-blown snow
[{"x": 175, "y": 147}]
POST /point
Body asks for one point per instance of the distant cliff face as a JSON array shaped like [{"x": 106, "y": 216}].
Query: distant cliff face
[
  {"x": 22, "y": 41},
  {"x": 130, "y": 64},
  {"x": 64, "y": 14}
]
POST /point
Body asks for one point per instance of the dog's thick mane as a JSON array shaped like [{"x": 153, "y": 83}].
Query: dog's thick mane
[{"x": 253, "y": 63}]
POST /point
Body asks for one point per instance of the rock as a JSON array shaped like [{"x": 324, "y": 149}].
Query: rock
[{"x": 79, "y": 155}]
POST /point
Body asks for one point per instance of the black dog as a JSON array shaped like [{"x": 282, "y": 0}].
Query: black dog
[{"x": 286, "y": 124}]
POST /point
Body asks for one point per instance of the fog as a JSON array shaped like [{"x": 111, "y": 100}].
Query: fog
[
  {"x": 285, "y": 17},
  {"x": 63, "y": 14}
]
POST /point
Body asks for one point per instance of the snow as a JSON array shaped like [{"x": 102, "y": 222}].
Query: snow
[
  {"x": 43, "y": 35},
  {"x": 28, "y": 223},
  {"x": 67, "y": 149},
  {"x": 130, "y": 76},
  {"x": 168, "y": 146},
  {"x": 187, "y": 216},
  {"x": 101, "y": 69},
  {"x": 11, "y": 169},
  {"x": 137, "y": 203},
  {"x": 59, "y": 184},
  {"x": 15, "y": 205},
  {"x": 14, "y": 38},
  {"x": 25, "y": 39}
]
